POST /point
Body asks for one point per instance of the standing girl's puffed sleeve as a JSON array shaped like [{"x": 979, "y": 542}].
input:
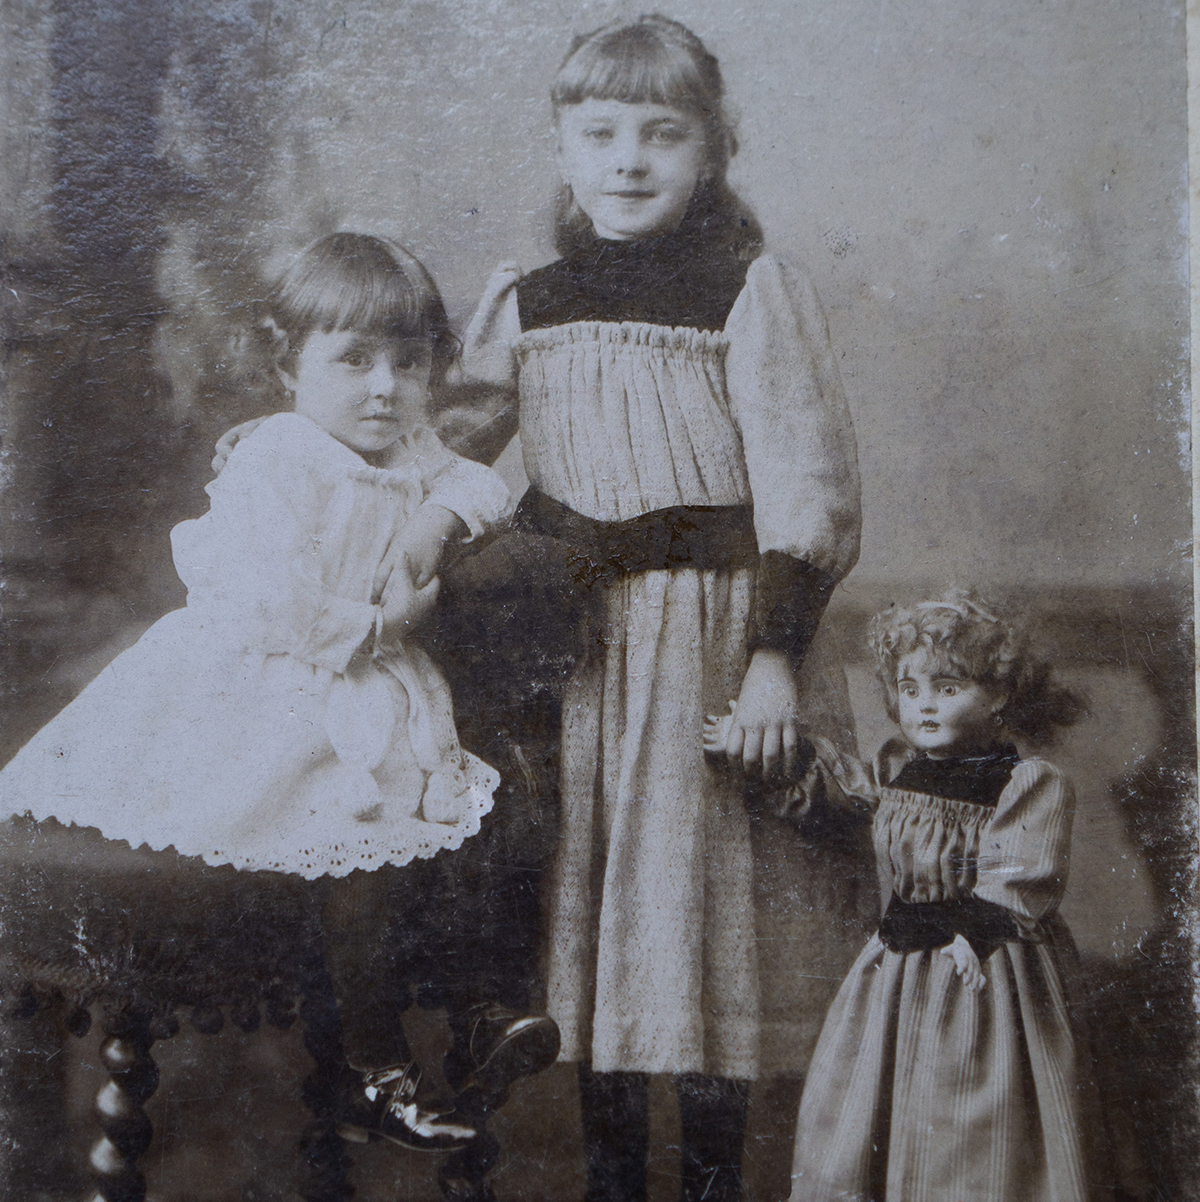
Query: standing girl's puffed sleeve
[
  {"x": 478, "y": 413},
  {"x": 1024, "y": 851},
  {"x": 786, "y": 397}
]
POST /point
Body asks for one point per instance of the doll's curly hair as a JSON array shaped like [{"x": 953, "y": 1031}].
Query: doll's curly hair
[{"x": 967, "y": 636}]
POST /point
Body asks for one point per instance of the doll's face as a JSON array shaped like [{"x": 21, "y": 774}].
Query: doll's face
[
  {"x": 632, "y": 167},
  {"x": 943, "y": 713},
  {"x": 367, "y": 390}
]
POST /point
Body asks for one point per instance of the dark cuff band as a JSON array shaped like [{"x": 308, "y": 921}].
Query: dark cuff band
[{"x": 789, "y": 598}]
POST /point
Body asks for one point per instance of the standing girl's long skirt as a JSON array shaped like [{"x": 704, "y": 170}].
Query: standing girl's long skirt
[{"x": 653, "y": 962}]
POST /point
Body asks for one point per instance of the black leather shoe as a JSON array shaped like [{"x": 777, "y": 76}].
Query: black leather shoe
[
  {"x": 382, "y": 1104},
  {"x": 503, "y": 1045}
]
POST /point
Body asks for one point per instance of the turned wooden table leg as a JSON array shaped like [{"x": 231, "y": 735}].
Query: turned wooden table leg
[{"x": 132, "y": 1078}]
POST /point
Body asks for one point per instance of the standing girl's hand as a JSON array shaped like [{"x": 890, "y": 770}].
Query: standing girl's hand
[
  {"x": 764, "y": 732},
  {"x": 966, "y": 963}
]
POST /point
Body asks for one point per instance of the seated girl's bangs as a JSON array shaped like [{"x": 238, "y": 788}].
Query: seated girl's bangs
[{"x": 357, "y": 282}]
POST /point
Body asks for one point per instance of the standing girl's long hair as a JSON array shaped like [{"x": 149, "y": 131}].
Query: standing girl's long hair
[{"x": 654, "y": 60}]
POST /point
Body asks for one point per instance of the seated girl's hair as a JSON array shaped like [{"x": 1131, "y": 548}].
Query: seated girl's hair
[
  {"x": 966, "y": 636},
  {"x": 361, "y": 282},
  {"x": 654, "y": 60}
]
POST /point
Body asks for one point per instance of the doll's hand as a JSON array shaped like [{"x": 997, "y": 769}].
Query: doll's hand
[
  {"x": 966, "y": 963},
  {"x": 230, "y": 439},
  {"x": 404, "y": 605},
  {"x": 715, "y": 731},
  {"x": 763, "y": 732}
]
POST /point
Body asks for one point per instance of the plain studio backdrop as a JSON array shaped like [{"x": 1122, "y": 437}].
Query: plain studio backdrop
[{"x": 991, "y": 200}]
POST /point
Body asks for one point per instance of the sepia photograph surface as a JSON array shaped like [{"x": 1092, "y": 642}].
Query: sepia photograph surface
[{"x": 507, "y": 771}]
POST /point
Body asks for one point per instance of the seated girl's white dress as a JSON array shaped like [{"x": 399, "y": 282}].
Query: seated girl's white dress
[{"x": 259, "y": 726}]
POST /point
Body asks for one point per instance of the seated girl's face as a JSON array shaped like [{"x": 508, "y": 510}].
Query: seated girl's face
[
  {"x": 943, "y": 712},
  {"x": 367, "y": 390},
  {"x": 632, "y": 168}
]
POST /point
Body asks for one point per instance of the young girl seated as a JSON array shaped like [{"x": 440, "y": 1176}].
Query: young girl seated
[
  {"x": 283, "y": 720},
  {"x": 947, "y": 1068}
]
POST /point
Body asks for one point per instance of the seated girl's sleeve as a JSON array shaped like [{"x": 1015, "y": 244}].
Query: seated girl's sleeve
[
  {"x": 474, "y": 492},
  {"x": 251, "y": 564},
  {"x": 787, "y": 399},
  {"x": 1024, "y": 851},
  {"x": 477, "y": 414}
]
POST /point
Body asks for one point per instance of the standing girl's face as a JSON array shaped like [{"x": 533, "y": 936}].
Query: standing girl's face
[
  {"x": 632, "y": 167},
  {"x": 943, "y": 713},
  {"x": 367, "y": 390}
]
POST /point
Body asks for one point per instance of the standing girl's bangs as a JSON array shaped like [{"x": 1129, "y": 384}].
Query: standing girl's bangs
[{"x": 652, "y": 60}]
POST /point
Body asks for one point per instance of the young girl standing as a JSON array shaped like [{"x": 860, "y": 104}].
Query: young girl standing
[
  {"x": 685, "y": 433},
  {"x": 947, "y": 1068},
  {"x": 283, "y": 720}
]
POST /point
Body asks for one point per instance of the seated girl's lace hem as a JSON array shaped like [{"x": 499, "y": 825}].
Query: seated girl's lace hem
[{"x": 397, "y": 843}]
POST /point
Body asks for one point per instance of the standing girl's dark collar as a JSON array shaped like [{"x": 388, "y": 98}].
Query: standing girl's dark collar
[
  {"x": 689, "y": 277},
  {"x": 977, "y": 778}
]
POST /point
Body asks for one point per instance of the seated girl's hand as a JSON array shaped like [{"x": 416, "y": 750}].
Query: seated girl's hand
[
  {"x": 422, "y": 545},
  {"x": 966, "y": 963},
  {"x": 404, "y": 605},
  {"x": 230, "y": 439},
  {"x": 763, "y": 732}
]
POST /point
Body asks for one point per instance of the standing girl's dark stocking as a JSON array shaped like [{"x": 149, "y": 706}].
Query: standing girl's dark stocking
[
  {"x": 616, "y": 1131},
  {"x": 712, "y": 1112}
]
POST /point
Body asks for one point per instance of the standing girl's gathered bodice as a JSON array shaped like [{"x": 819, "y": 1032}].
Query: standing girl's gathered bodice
[{"x": 622, "y": 419}]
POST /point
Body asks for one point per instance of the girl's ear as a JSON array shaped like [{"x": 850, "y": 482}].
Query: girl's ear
[{"x": 285, "y": 377}]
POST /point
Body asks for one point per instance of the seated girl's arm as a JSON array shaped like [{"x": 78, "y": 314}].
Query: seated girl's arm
[
  {"x": 787, "y": 399},
  {"x": 464, "y": 501},
  {"x": 251, "y": 563}
]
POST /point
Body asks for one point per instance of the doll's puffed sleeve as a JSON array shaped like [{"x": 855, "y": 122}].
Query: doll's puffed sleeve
[
  {"x": 786, "y": 396},
  {"x": 252, "y": 563},
  {"x": 1024, "y": 852},
  {"x": 474, "y": 492},
  {"x": 478, "y": 413}
]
